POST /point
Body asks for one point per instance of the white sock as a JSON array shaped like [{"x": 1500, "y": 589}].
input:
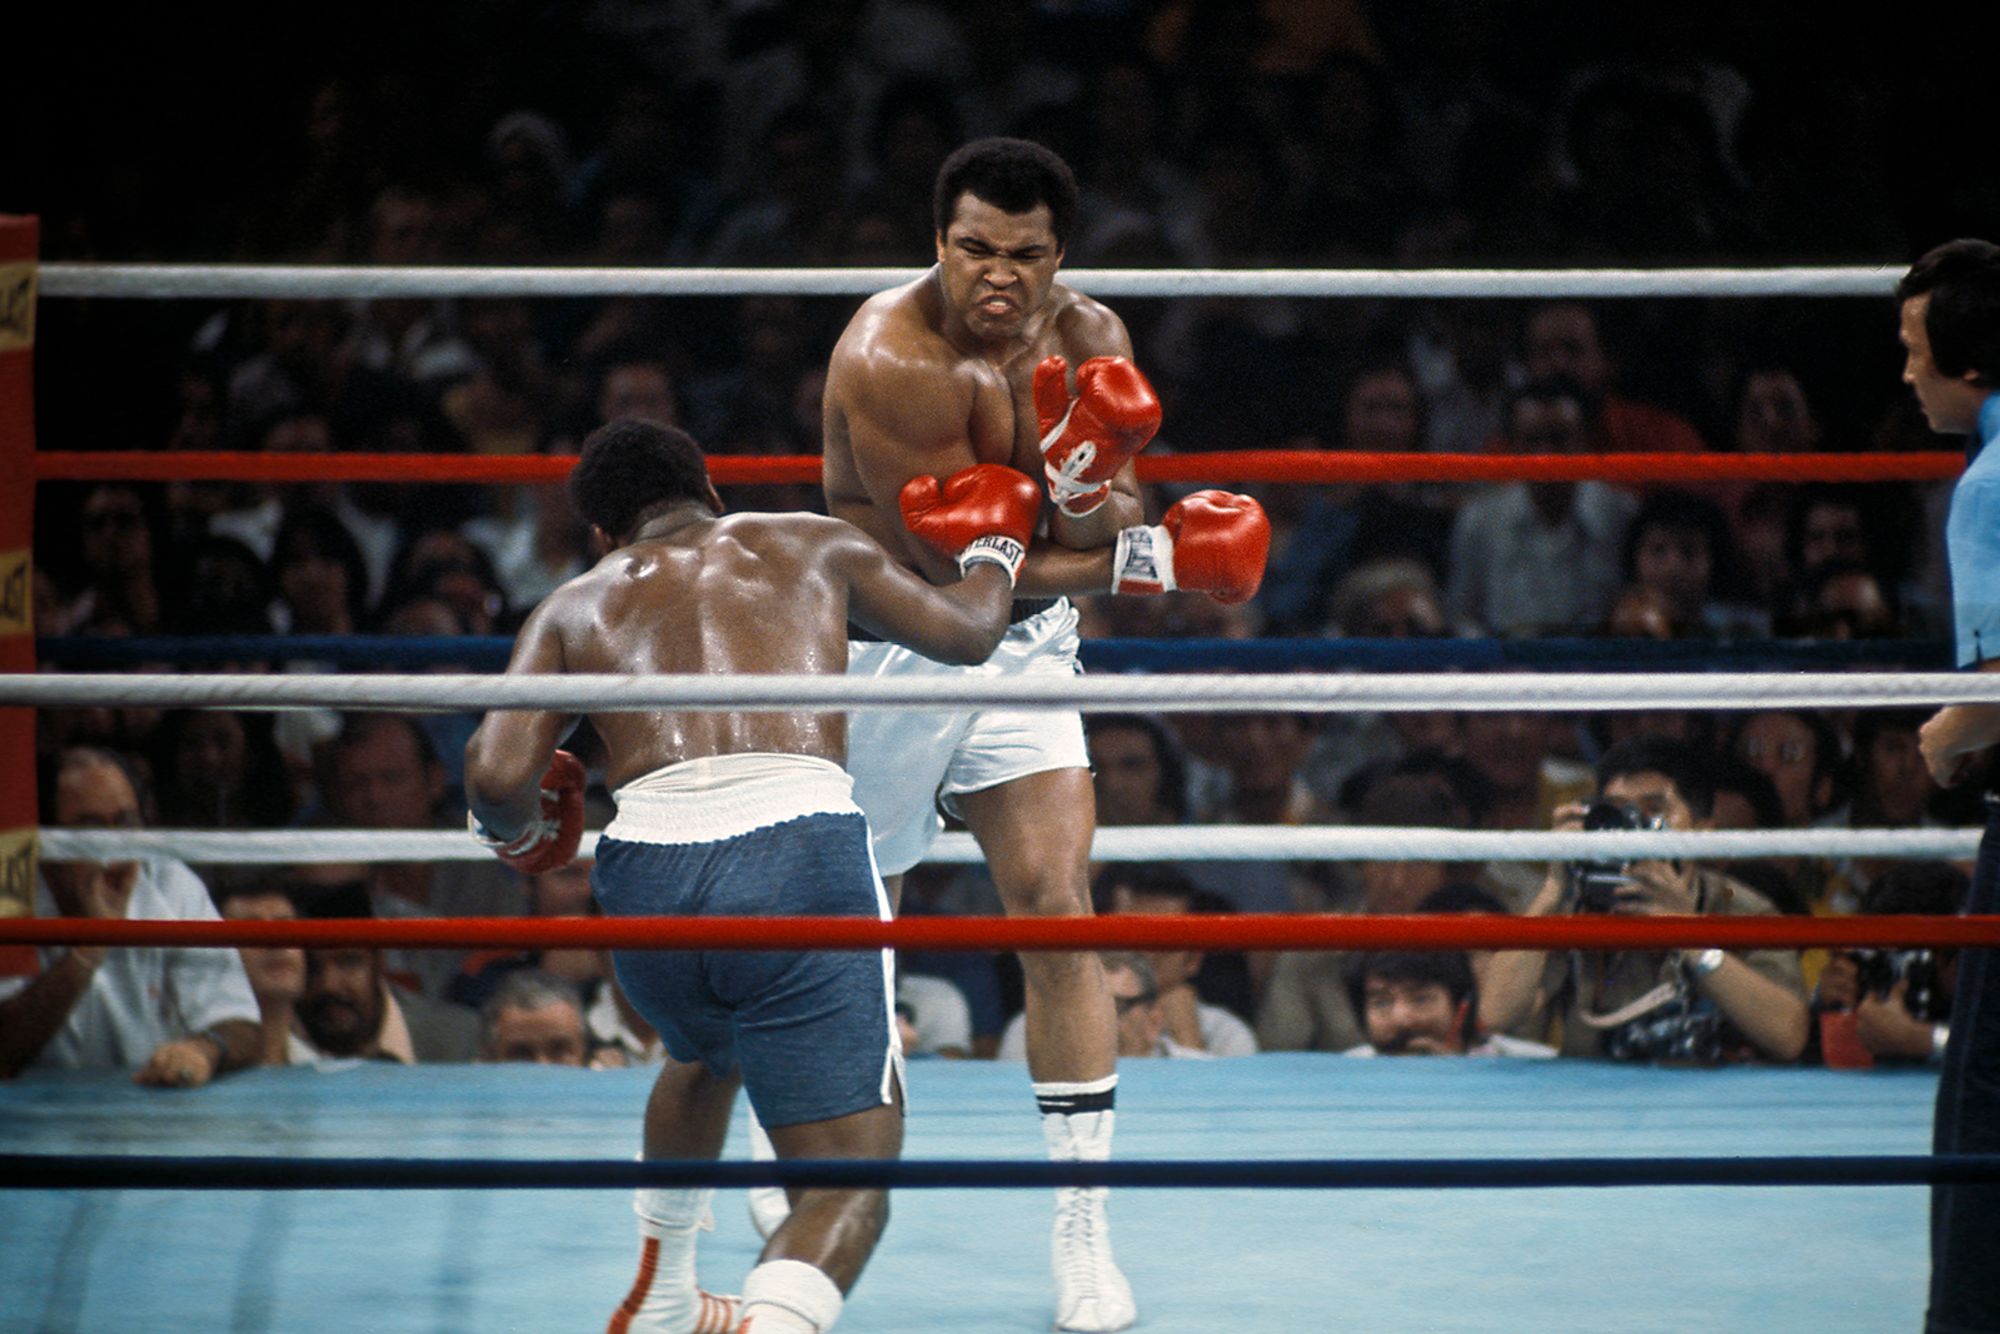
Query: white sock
[
  {"x": 789, "y": 1297},
  {"x": 666, "y": 1294},
  {"x": 670, "y": 1207},
  {"x": 761, "y": 1149},
  {"x": 1077, "y": 1119},
  {"x": 769, "y": 1205}
]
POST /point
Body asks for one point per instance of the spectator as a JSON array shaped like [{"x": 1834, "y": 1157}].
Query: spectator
[
  {"x": 1799, "y": 751},
  {"x": 381, "y": 773},
  {"x": 321, "y": 576},
  {"x": 1324, "y": 535},
  {"x": 1562, "y": 341},
  {"x": 1251, "y": 771},
  {"x": 1424, "y": 1003},
  {"x": 1892, "y": 1005},
  {"x": 1745, "y": 798},
  {"x": 533, "y": 1017},
  {"x": 118, "y": 536},
  {"x": 504, "y": 404},
  {"x": 1136, "y": 995},
  {"x": 1307, "y": 1004},
  {"x": 351, "y": 1009},
  {"x": 1773, "y": 414},
  {"x": 277, "y": 973},
  {"x": 1540, "y": 556},
  {"x": 633, "y": 382},
  {"x": 412, "y": 338},
  {"x": 1705, "y": 1007},
  {"x": 1393, "y": 598},
  {"x": 176, "y": 1016},
  {"x": 220, "y": 770},
  {"x": 1678, "y": 546},
  {"x": 1841, "y": 600},
  {"x": 561, "y": 893},
  {"x": 1204, "y": 995},
  {"x": 443, "y": 564},
  {"x": 1527, "y": 778},
  {"x": 1137, "y": 770},
  {"x": 1870, "y": 526}
]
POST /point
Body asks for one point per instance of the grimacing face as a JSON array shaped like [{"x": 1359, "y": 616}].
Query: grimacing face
[{"x": 997, "y": 268}]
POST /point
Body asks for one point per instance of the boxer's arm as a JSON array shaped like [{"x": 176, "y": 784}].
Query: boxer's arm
[
  {"x": 960, "y": 622},
  {"x": 507, "y": 755},
  {"x": 905, "y": 418}
]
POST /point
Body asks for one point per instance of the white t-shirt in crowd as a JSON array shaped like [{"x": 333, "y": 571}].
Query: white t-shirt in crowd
[{"x": 144, "y": 995}]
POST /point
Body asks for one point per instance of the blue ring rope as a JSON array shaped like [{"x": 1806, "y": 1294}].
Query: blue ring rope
[
  {"x": 165, "y": 1172},
  {"x": 490, "y": 652}
]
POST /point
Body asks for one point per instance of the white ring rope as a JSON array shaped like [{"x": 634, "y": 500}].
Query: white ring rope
[
  {"x": 1295, "y": 691},
  {"x": 1126, "y": 844},
  {"x": 352, "y": 281}
]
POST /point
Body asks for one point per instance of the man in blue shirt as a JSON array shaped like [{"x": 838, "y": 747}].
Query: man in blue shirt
[{"x": 1951, "y": 338}]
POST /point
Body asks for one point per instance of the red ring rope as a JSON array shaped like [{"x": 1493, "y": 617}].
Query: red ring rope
[
  {"x": 1246, "y": 931},
  {"x": 1223, "y": 466}
]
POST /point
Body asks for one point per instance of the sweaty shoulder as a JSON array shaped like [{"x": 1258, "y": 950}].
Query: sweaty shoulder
[
  {"x": 1087, "y": 328},
  {"x": 892, "y": 343}
]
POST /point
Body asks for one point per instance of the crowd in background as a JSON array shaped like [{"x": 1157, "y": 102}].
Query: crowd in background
[{"x": 697, "y": 132}]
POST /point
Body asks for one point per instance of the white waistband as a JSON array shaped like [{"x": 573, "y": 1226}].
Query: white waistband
[{"x": 726, "y": 796}]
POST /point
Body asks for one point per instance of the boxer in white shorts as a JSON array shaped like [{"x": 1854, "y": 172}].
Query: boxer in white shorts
[
  {"x": 970, "y": 363},
  {"x": 907, "y": 766}
]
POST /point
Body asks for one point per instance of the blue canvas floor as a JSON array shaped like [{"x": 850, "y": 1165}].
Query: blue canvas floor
[{"x": 974, "y": 1262}]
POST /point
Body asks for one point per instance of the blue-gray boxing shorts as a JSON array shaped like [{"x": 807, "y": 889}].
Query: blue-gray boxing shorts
[
  {"x": 906, "y": 765},
  {"x": 757, "y": 835}
]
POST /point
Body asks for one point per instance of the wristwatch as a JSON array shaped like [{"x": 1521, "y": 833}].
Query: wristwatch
[
  {"x": 1707, "y": 962},
  {"x": 209, "y": 1035}
]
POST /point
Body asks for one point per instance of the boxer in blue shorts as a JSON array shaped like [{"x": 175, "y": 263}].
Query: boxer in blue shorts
[{"x": 740, "y": 813}]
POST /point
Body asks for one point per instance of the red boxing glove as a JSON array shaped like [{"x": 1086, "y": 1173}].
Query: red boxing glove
[
  {"x": 549, "y": 842},
  {"x": 983, "y": 513},
  {"x": 1213, "y": 542},
  {"x": 1086, "y": 441}
]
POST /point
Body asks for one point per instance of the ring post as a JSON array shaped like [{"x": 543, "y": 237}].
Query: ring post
[{"x": 18, "y": 243}]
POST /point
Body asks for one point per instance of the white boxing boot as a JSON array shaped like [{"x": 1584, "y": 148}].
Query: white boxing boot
[{"x": 1092, "y": 1296}]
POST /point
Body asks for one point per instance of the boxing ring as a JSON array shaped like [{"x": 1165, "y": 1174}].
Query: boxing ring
[
  {"x": 1285, "y": 1190},
  {"x": 1673, "y": 1259}
]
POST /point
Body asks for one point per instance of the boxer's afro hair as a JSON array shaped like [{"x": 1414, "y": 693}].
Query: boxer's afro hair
[
  {"x": 634, "y": 465},
  {"x": 1013, "y": 175}
]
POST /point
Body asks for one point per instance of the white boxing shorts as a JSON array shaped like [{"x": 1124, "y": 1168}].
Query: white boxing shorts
[{"x": 906, "y": 765}]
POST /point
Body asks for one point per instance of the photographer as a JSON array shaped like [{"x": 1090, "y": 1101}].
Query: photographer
[
  {"x": 1888, "y": 1004},
  {"x": 1694, "y": 1005}
]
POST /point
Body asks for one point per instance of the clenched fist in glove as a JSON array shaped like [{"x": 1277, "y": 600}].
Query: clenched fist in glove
[
  {"x": 549, "y": 842},
  {"x": 1213, "y": 542},
  {"x": 1085, "y": 441},
  {"x": 983, "y": 513}
]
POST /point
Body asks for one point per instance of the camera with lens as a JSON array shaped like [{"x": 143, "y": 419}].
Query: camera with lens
[
  {"x": 1924, "y": 995},
  {"x": 1686, "y": 1031},
  {"x": 1596, "y": 883}
]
